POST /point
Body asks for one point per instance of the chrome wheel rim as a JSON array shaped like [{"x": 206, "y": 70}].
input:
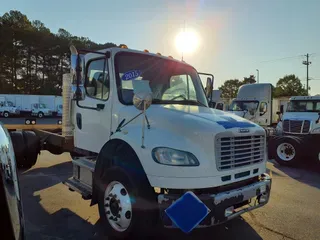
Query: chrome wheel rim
[
  {"x": 117, "y": 206},
  {"x": 286, "y": 151}
]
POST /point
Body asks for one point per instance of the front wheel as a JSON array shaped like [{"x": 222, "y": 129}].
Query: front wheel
[
  {"x": 40, "y": 115},
  {"x": 287, "y": 151},
  {"x": 125, "y": 206}
]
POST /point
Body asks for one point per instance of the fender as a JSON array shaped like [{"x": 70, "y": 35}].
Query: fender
[{"x": 105, "y": 161}]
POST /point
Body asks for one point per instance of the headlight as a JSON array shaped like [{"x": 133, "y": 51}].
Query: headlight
[
  {"x": 316, "y": 130},
  {"x": 169, "y": 156}
]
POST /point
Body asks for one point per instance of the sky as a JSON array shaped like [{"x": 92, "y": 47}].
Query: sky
[{"x": 236, "y": 37}]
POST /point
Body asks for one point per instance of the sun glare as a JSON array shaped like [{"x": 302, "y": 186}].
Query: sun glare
[{"x": 187, "y": 41}]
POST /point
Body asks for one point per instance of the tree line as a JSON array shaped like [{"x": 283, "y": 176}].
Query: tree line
[
  {"x": 32, "y": 58},
  {"x": 289, "y": 85}
]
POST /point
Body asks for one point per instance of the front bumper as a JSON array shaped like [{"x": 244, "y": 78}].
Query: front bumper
[{"x": 224, "y": 206}]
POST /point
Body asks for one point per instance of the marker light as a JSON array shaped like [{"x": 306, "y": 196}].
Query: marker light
[
  {"x": 124, "y": 46},
  {"x": 146, "y": 50},
  {"x": 159, "y": 54},
  {"x": 170, "y": 57}
]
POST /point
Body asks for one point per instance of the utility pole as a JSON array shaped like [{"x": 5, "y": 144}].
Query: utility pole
[
  {"x": 257, "y": 75},
  {"x": 307, "y": 63},
  {"x": 184, "y": 35}
]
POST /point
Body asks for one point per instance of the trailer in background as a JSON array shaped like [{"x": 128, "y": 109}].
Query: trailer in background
[{"x": 35, "y": 105}]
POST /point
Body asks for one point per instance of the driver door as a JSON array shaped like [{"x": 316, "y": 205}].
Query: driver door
[{"x": 93, "y": 116}]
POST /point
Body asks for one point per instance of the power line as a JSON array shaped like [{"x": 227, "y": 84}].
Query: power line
[{"x": 279, "y": 59}]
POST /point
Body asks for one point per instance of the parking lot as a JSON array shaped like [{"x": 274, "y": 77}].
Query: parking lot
[{"x": 53, "y": 212}]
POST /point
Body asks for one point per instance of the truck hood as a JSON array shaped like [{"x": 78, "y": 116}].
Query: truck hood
[
  {"x": 312, "y": 116},
  {"x": 195, "y": 118}
]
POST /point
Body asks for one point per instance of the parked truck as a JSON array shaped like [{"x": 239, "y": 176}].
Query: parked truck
[
  {"x": 150, "y": 161},
  {"x": 35, "y": 105},
  {"x": 8, "y": 109},
  {"x": 299, "y": 132},
  {"x": 256, "y": 103}
]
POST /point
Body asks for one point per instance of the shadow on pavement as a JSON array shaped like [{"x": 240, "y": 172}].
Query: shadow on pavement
[
  {"x": 45, "y": 177},
  {"x": 306, "y": 173},
  {"x": 235, "y": 229},
  {"x": 62, "y": 224}
]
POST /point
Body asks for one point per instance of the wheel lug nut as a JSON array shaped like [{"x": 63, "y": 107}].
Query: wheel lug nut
[{"x": 128, "y": 214}]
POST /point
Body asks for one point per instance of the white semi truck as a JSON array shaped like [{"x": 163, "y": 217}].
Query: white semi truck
[
  {"x": 256, "y": 103},
  {"x": 7, "y": 108},
  {"x": 147, "y": 156},
  {"x": 298, "y": 132}
]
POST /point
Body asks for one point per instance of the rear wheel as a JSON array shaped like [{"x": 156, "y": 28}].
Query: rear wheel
[
  {"x": 288, "y": 151},
  {"x": 6, "y": 114}
]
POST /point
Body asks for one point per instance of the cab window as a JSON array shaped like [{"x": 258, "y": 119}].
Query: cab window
[{"x": 97, "y": 82}]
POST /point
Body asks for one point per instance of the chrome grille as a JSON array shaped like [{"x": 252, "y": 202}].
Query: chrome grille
[
  {"x": 296, "y": 126},
  {"x": 235, "y": 152}
]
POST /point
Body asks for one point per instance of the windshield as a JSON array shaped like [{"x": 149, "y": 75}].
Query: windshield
[
  {"x": 243, "y": 105},
  {"x": 304, "y": 106},
  {"x": 170, "y": 82}
]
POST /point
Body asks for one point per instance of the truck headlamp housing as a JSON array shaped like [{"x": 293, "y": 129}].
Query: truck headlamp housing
[
  {"x": 316, "y": 130},
  {"x": 173, "y": 157}
]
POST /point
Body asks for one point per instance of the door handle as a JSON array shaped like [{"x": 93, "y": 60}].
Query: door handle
[
  {"x": 100, "y": 106},
  {"x": 79, "y": 120}
]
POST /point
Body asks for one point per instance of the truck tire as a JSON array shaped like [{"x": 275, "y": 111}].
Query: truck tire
[
  {"x": 32, "y": 142},
  {"x": 19, "y": 147},
  {"x": 40, "y": 115},
  {"x": 126, "y": 201},
  {"x": 287, "y": 151},
  {"x": 6, "y": 114}
]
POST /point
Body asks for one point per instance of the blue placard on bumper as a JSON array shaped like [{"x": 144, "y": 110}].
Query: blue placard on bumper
[{"x": 187, "y": 212}]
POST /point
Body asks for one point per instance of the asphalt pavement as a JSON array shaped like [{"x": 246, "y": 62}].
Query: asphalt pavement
[
  {"x": 53, "y": 212},
  {"x": 22, "y": 120}
]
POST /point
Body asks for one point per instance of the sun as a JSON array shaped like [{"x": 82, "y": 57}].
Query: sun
[{"x": 187, "y": 41}]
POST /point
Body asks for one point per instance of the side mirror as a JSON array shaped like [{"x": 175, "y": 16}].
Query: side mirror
[
  {"x": 281, "y": 109},
  {"x": 209, "y": 88},
  {"x": 77, "y": 62},
  {"x": 142, "y": 100},
  {"x": 220, "y": 106}
]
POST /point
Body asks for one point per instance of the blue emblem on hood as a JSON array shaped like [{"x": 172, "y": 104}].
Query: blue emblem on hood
[{"x": 233, "y": 123}]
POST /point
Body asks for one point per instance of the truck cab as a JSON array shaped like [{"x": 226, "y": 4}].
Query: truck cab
[
  {"x": 7, "y": 108},
  {"x": 300, "y": 131},
  {"x": 254, "y": 102},
  {"x": 40, "y": 110}
]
